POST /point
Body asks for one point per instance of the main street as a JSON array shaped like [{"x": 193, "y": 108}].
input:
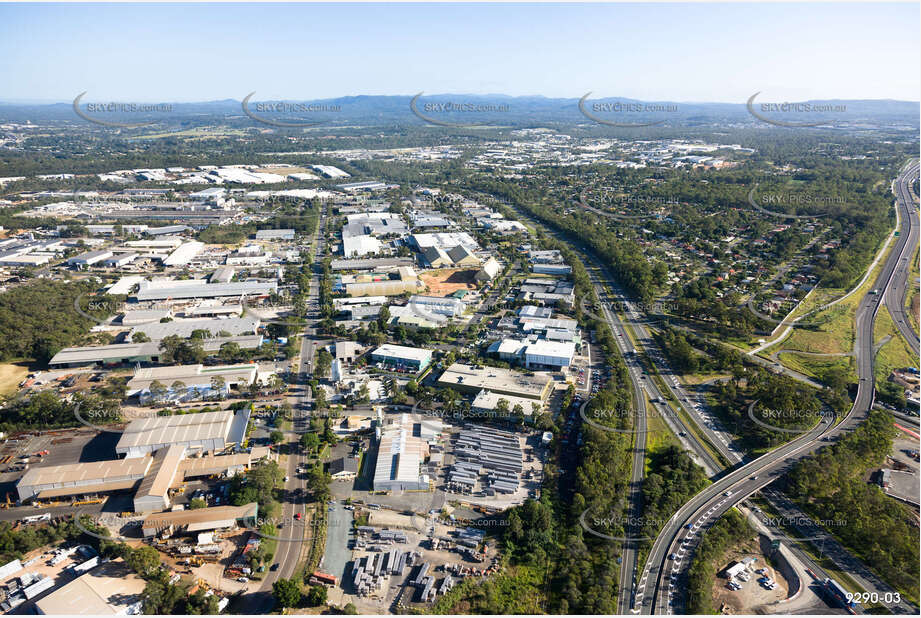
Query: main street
[
  {"x": 294, "y": 533},
  {"x": 671, "y": 553}
]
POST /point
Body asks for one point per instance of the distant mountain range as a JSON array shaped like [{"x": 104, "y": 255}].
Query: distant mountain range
[{"x": 502, "y": 110}]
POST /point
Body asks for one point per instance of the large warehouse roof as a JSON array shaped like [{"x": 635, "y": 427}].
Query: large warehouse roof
[
  {"x": 185, "y": 328},
  {"x": 195, "y": 288},
  {"x": 86, "y": 472},
  {"x": 175, "y": 429},
  {"x": 184, "y": 253},
  {"x": 200, "y": 519},
  {"x": 401, "y": 452},
  {"x": 473, "y": 379},
  {"x": 126, "y": 352},
  {"x": 402, "y": 352},
  {"x": 192, "y": 375}
]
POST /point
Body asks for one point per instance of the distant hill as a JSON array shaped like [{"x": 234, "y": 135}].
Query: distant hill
[{"x": 517, "y": 111}]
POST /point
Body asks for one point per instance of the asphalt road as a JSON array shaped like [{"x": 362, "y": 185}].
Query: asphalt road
[
  {"x": 895, "y": 295},
  {"x": 672, "y": 550},
  {"x": 627, "y": 578},
  {"x": 288, "y": 552}
]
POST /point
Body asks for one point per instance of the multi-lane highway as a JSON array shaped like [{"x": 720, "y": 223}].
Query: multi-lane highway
[
  {"x": 672, "y": 551},
  {"x": 635, "y": 505},
  {"x": 895, "y": 295}
]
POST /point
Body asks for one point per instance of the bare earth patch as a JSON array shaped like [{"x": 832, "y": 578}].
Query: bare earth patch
[{"x": 448, "y": 280}]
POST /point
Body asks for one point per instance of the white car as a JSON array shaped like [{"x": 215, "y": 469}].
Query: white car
[{"x": 727, "y": 493}]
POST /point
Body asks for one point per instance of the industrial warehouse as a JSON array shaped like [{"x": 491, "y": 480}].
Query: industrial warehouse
[
  {"x": 132, "y": 353},
  {"x": 471, "y": 379},
  {"x": 161, "y": 453},
  {"x": 404, "y": 445}
]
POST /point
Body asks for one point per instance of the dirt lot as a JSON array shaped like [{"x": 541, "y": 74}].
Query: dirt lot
[
  {"x": 11, "y": 374},
  {"x": 752, "y": 595},
  {"x": 448, "y": 281}
]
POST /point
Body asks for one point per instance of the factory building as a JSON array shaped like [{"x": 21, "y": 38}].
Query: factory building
[
  {"x": 551, "y": 269},
  {"x": 357, "y": 246},
  {"x": 202, "y": 432},
  {"x": 185, "y": 328},
  {"x": 123, "y": 259},
  {"x": 438, "y": 305},
  {"x": 402, "y": 357},
  {"x": 371, "y": 263},
  {"x": 471, "y": 379},
  {"x": 89, "y": 259},
  {"x": 275, "y": 235},
  {"x": 443, "y": 240},
  {"x": 150, "y": 476},
  {"x": 402, "y": 449},
  {"x": 490, "y": 457},
  {"x": 486, "y": 403},
  {"x": 110, "y": 589},
  {"x": 552, "y": 354},
  {"x": 131, "y": 353},
  {"x": 198, "y": 288},
  {"x": 184, "y": 253},
  {"x": 490, "y": 270},
  {"x": 145, "y": 316},
  {"x": 224, "y": 274},
  {"x": 194, "y": 377},
  {"x": 200, "y": 520}
]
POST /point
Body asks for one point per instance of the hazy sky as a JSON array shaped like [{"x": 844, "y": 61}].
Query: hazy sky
[{"x": 679, "y": 52}]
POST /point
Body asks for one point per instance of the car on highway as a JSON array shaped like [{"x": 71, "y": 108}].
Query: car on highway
[
  {"x": 672, "y": 556},
  {"x": 297, "y": 516},
  {"x": 727, "y": 493},
  {"x": 274, "y": 567}
]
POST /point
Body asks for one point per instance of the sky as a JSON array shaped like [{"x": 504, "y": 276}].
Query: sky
[{"x": 677, "y": 52}]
